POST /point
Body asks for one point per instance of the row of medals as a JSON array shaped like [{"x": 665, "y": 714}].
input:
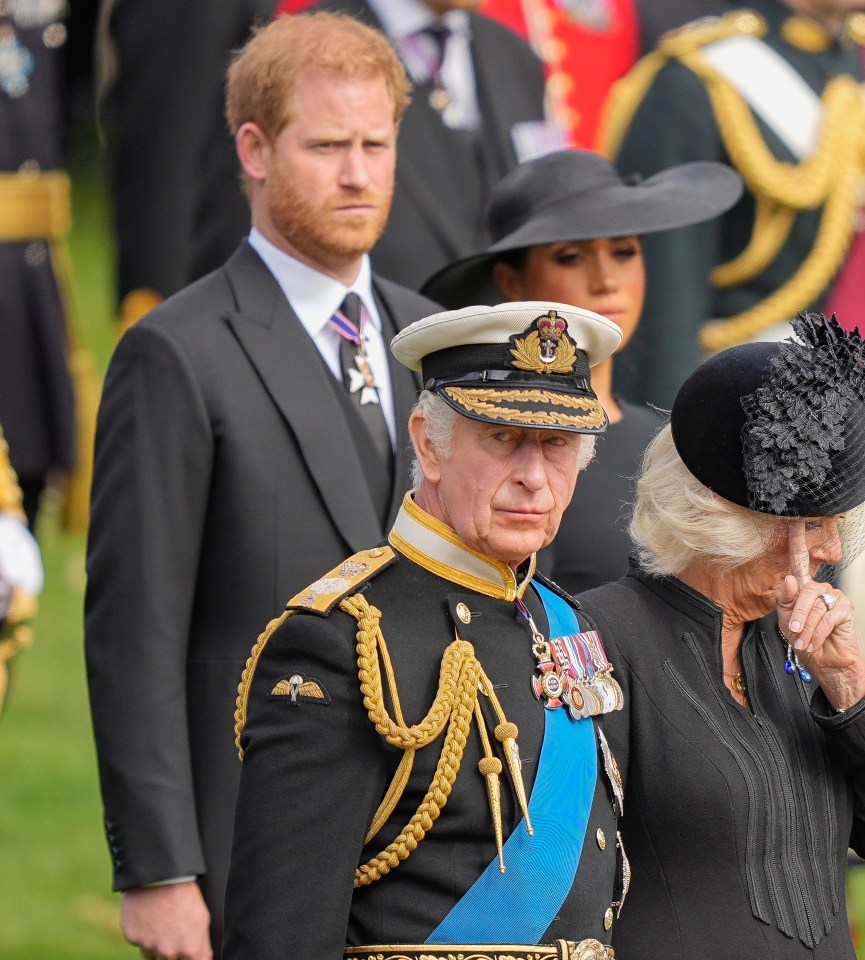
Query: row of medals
[{"x": 583, "y": 683}]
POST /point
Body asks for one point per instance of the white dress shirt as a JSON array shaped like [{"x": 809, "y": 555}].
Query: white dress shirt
[{"x": 315, "y": 297}]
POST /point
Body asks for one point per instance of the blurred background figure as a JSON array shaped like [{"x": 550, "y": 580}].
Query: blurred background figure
[
  {"x": 179, "y": 211},
  {"x": 36, "y": 395},
  {"x": 566, "y": 227},
  {"x": 20, "y": 571},
  {"x": 774, "y": 91},
  {"x": 585, "y": 45}
]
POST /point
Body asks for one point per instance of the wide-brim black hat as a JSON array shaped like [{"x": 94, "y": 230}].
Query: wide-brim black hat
[
  {"x": 523, "y": 364},
  {"x": 779, "y": 427},
  {"x": 579, "y": 195}
]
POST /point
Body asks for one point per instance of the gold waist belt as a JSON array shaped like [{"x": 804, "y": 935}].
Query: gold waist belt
[
  {"x": 34, "y": 206},
  {"x": 560, "y": 950}
]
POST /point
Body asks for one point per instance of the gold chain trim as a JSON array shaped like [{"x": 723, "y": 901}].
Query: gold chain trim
[{"x": 488, "y": 403}]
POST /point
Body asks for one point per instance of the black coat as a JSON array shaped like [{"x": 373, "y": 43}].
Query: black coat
[
  {"x": 226, "y": 476},
  {"x": 315, "y": 772},
  {"x": 736, "y": 822}
]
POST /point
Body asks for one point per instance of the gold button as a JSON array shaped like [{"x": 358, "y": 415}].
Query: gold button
[
  {"x": 464, "y": 613},
  {"x": 608, "y": 918},
  {"x": 376, "y": 552},
  {"x": 602, "y": 840}
]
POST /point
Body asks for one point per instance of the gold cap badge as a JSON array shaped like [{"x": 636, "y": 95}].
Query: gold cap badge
[{"x": 546, "y": 347}]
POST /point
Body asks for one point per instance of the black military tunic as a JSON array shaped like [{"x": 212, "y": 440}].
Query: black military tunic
[{"x": 315, "y": 769}]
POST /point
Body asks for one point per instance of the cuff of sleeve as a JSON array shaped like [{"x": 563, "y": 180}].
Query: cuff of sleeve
[
  {"x": 831, "y": 719},
  {"x": 166, "y": 883}
]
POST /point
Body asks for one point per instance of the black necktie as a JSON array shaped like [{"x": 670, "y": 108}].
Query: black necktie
[
  {"x": 356, "y": 376},
  {"x": 439, "y": 98}
]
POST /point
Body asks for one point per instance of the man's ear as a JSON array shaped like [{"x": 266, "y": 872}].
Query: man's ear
[
  {"x": 507, "y": 279},
  {"x": 424, "y": 449},
  {"x": 253, "y": 151}
]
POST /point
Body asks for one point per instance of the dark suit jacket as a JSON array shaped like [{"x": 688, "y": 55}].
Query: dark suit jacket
[
  {"x": 226, "y": 479},
  {"x": 437, "y": 213}
]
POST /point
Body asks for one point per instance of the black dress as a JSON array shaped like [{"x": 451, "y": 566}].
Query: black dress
[
  {"x": 593, "y": 544},
  {"x": 737, "y": 822}
]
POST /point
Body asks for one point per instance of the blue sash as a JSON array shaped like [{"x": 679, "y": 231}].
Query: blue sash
[{"x": 519, "y": 905}]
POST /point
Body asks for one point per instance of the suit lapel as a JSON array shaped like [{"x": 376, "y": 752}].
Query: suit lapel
[{"x": 298, "y": 381}]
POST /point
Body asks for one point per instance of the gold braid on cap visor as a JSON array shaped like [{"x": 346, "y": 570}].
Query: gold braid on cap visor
[{"x": 488, "y": 403}]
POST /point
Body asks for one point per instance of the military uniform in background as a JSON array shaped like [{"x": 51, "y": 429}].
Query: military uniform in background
[
  {"x": 20, "y": 571},
  {"x": 330, "y": 727},
  {"x": 36, "y": 400},
  {"x": 773, "y": 94},
  {"x": 179, "y": 211}
]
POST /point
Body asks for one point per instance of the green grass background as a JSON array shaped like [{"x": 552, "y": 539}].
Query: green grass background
[{"x": 55, "y": 900}]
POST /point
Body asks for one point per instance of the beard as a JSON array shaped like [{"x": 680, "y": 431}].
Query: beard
[{"x": 317, "y": 228}]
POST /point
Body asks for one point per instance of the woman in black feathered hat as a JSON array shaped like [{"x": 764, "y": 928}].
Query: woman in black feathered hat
[
  {"x": 567, "y": 227},
  {"x": 742, "y": 740}
]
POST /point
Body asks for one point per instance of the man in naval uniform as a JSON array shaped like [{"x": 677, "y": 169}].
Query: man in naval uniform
[
  {"x": 424, "y": 770},
  {"x": 775, "y": 91}
]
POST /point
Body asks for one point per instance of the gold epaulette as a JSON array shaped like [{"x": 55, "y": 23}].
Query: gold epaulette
[
  {"x": 323, "y": 595},
  {"x": 627, "y": 94},
  {"x": 319, "y": 597}
]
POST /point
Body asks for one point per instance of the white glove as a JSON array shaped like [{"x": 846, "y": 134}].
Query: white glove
[{"x": 20, "y": 560}]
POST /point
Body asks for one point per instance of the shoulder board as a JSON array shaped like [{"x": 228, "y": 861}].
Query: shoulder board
[
  {"x": 323, "y": 595},
  {"x": 706, "y": 30},
  {"x": 558, "y": 591}
]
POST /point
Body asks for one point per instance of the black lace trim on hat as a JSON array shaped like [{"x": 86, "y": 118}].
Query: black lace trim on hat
[{"x": 796, "y": 420}]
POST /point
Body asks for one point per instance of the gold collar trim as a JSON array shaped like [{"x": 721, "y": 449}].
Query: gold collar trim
[{"x": 434, "y": 546}]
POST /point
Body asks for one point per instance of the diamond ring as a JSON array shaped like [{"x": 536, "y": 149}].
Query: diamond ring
[{"x": 829, "y": 600}]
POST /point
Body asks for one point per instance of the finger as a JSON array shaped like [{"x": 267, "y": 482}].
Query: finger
[
  {"x": 800, "y": 561},
  {"x": 807, "y": 610},
  {"x": 819, "y": 622}
]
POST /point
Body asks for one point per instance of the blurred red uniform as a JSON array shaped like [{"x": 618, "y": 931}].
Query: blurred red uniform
[{"x": 586, "y": 46}]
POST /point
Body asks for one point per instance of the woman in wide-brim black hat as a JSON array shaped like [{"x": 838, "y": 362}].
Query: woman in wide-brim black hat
[
  {"x": 742, "y": 739},
  {"x": 567, "y": 227}
]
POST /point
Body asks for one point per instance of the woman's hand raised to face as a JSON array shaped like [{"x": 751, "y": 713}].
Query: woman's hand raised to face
[{"x": 818, "y": 621}]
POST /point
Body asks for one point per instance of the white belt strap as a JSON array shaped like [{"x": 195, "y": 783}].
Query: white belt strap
[{"x": 771, "y": 87}]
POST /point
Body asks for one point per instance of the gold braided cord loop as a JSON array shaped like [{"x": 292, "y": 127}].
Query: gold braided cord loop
[
  {"x": 247, "y": 675},
  {"x": 815, "y": 272},
  {"x": 772, "y": 226},
  {"x": 804, "y": 185},
  {"x": 453, "y": 706},
  {"x": 628, "y": 93}
]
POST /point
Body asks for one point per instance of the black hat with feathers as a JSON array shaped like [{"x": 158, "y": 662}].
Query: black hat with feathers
[{"x": 779, "y": 427}]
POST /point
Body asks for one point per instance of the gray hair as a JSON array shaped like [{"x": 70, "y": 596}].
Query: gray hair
[
  {"x": 677, "y": 520},
  {"x": 440, "y": 420}
]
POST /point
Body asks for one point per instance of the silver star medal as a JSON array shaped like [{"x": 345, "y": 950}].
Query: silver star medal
[{"x": 363, "y": 380}]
